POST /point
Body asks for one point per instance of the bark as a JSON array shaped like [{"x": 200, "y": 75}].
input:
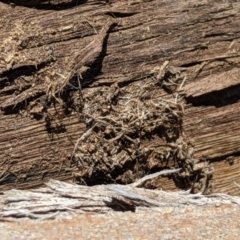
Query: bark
[
  {"x": 110, "y": 91},
  {"x": 78, "y": 212},
  {"x": 73, "y": 199}
]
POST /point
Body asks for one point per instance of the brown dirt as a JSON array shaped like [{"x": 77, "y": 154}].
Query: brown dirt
[{"x": 161, "y": 223}]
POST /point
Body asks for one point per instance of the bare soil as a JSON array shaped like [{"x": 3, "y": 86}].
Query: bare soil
[{"x": 164, "y": 223}]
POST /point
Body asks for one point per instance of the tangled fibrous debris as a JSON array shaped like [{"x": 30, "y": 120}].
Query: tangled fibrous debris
[{"x": 121, "y": 122}]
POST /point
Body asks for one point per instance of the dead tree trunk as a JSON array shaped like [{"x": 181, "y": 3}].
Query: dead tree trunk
[{"x": 109, "y": 91}]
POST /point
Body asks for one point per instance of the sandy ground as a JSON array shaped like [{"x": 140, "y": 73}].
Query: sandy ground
[{"x": 190, "y": 222}]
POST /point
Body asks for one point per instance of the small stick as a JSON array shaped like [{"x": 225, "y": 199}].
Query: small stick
[
  {"x": 236, "y": 184},
  {"x": 203, "y": 64},
  {"x": 154, "y": 175},
  {"x": 183, "y": 82},
  {"x": 116, "y": 138},
  {"x": 84, "y": 135}
]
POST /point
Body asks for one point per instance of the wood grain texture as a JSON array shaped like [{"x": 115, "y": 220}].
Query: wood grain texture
[
  {"x": 39, "y": 44},
  {"x": 74, "y": 199}
]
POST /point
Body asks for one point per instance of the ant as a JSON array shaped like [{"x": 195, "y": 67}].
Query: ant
[{"x": 58, "y": 115}]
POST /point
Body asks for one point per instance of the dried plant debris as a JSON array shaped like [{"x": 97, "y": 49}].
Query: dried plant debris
[
  {"x": 131, "y": 131},
  {"x": 170, "y": 77}
]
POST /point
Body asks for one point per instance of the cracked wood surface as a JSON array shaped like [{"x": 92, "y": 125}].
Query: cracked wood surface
[
  {"x": 202, "y": 38},
  {"x": 62, "y": 210}
]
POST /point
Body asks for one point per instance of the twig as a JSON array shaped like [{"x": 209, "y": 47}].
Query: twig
[
  {"x": 203, "y": 64},
  {"x": 154, "y": 175},
  {"x": 116, "y": 138},
  {"x": 86, "y": 134},
  {"x": 236, "y": 184},
  {"x": 183, "y": 82}
]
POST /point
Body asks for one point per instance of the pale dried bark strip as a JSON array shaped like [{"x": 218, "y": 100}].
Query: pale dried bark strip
[{"x": 59, "y": 200}]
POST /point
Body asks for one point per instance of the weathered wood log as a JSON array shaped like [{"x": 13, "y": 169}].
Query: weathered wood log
[
  {"x": 62, "y": 209},
  {"x": 60, "y": 200},
  {"x": 159, "y": 60}
]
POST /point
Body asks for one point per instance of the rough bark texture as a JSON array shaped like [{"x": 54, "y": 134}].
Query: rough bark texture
[
  {"x": 61, "y": 200},
  {"x": 109, "y": 91},
  {"x": 53, "y": 212}
]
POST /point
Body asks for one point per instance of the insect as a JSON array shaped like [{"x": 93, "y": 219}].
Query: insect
[{"x": 58, "y": 115}]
